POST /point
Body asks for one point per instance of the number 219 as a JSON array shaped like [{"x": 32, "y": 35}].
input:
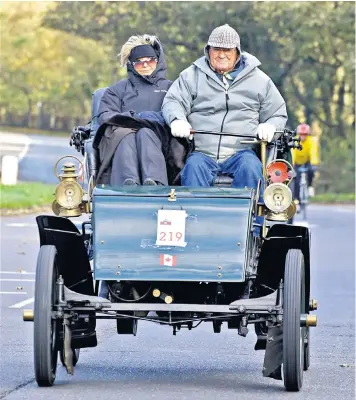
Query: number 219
[{"x": 170, "y": 236}]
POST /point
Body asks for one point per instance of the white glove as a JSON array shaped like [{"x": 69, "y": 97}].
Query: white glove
[
  {"x": 265, "y": 131},
  {"x": 180, "y": 128}
]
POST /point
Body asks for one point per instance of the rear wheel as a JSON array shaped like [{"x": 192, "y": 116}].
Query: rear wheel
[
  {"x": 293, "y": 307},
  {"x": 46, "y": 328}
]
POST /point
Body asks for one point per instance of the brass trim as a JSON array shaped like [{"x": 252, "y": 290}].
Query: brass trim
[
  {"x": 28, "y": 315},
  {"x": 264, "y": 160},
  {"x": 172, "y": 195},
  {"x": 291, "y": 210},
  {"x": 311, "y": 320},
  {"x": 313, "y": 304},
  {"x": 68, "y": 156},
  {"x": 281, "y": 216}
]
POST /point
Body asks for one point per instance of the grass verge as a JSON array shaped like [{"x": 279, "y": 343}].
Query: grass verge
[
  {"x": 26, "y": 197},
  {"x": 32, "y": 131},
  {"x": 333, "y": 198}
]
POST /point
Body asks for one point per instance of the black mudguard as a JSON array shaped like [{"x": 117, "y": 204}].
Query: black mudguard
[
  {"x": 281, "y": 238},
  {"x": 74, "y": 266}
]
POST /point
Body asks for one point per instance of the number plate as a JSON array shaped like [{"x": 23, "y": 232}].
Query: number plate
[{"x": 171, "y": 228}]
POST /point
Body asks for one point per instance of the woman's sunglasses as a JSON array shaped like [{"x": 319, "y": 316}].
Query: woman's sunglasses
[{"x": 150, "y": 61}]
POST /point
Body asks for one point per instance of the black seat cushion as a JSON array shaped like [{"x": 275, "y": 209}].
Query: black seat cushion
[
  {"x": 92, "y": 158},
  {"x": 223, "y": 180}
]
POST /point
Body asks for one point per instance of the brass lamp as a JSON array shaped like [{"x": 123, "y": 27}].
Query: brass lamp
[{"x": 69, "y": 193}]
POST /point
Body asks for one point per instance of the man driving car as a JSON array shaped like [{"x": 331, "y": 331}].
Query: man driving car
[{"x": 224, "y": 91}]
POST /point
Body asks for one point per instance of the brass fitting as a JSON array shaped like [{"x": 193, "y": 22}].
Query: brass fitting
[
  {"x": 27, "y": 315},
  {"x": 313, "y": 304},
  {"x": 308, "y": 320}
]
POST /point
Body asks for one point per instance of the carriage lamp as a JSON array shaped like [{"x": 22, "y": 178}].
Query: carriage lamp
[
  {"x": 69, "y": 193},
  {"x": 278, "y": 199}
]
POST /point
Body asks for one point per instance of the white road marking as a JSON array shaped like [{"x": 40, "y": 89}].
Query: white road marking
[
  {"x": 16, "y": 280},
  {"x": 23, "y": 303},
  {"x": 6, "y": 147},
  {"x": 13, "y": 292},
  {"x": 18, "y": 272},
  {"x": 24, "y": 141},
  {"x": 346, "y": 210},
  {"x": 21, "y": 225}
]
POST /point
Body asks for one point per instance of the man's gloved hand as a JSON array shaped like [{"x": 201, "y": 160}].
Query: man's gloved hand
[
  {"x": 265, "y": 131},
  {"x": 180, "y": 128}
]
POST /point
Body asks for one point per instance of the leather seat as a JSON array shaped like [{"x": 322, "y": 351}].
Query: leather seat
[
  {"x": 223, "y": 180},
  {"x": 92, "y": 158},
  {"x": 92, "y": 154},
  {"x": 95, "y": 102}
]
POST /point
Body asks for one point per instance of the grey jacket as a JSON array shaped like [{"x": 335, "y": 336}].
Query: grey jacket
[{"x": 199, "y": 97}]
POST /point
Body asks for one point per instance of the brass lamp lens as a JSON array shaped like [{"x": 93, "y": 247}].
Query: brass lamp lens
[
  {"x": 277, "y": 197},
  {"x": 69, "y": 194}
]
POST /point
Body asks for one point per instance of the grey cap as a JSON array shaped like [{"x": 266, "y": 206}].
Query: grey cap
[{"x": 225, "y": 37}]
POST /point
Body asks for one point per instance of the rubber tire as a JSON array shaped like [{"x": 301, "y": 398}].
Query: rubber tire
[
  {"x": 76, "y": 353},
  {"x": 293, "y": 307},
  {"x": 46, "y": 330}
]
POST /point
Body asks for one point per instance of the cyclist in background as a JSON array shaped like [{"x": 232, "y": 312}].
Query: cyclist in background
[{"x": 307, "y": 157}]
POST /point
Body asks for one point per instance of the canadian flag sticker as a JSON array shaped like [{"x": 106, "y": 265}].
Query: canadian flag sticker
[{"x": 167, "y": 259}]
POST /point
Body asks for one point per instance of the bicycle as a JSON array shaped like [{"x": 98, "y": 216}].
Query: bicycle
[{"x": 303, "y": 190}]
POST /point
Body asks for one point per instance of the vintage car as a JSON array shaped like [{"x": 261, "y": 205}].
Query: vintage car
[{"x": 176, "y": 256}]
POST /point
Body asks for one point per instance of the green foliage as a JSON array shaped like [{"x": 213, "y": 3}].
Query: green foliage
[
  {"x": 307, "y": 48},
  {"x": 334, "y": 198},
  {"x": 44, "y": 66},
  {"x": 26, "y": 195}
]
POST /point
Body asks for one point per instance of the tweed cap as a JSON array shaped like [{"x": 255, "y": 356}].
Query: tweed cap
[{"x": 225, "y": 37}]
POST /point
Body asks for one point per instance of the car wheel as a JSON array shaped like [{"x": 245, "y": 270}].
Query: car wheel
[
  {"x": 46, "y": 328},
  {"x": 293, "y": 333}
]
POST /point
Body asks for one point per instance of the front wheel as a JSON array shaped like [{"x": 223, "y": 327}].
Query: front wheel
[
  {"x": 293, "y": 307},
  {"x": 46, "y": 328}
]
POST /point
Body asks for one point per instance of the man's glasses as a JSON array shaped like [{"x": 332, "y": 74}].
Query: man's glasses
[{"x": 150, "y": 61}]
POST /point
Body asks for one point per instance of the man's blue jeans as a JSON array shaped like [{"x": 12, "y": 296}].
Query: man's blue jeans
[
  {"x": 245, "y": 167},
  {"x": 201, "y": 170}
]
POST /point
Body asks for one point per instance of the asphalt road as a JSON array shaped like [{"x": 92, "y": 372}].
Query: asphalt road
[
  {"x": 37, "y": 155},
  {"x": 195, "y": 364}
]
